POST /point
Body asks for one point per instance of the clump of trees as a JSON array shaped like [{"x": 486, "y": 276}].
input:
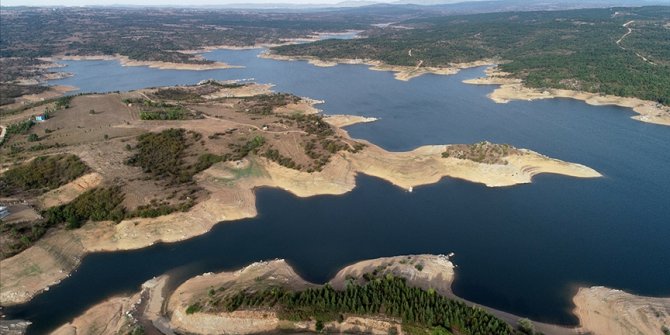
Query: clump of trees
[
  {"x": 176, "y": 93},
  {"x": 264, "y": 104},
  {"x": 242, "y": 150},
  {"x": 42, "y": 174},
  {"x": 160, "y": 110},
  {"x": 156, "y": 209},
  {"x": 481, "y": 152},
  {"x": 275, "y": 156},
  {"x": 20, "y": 127},
  {"x": 98, "y": 204},
  {"x": 388, "y": 295},
  {"x": 161, "y": 155}
]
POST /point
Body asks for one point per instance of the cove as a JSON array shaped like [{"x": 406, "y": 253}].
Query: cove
[{"x": 521, "y": 249}]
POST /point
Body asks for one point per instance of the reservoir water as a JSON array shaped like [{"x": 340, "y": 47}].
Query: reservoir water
[{"x": 522, "y": 249}]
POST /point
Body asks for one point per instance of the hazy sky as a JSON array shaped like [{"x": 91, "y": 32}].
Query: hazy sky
[{"x": 160, "y": 2}]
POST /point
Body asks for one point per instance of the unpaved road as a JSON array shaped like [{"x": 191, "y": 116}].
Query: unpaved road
[{"x": 630, "y": 30}]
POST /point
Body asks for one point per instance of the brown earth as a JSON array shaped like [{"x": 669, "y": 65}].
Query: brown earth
[
  {"x": 100, "y": 129},
  {"x": 605, "y": 311},
  {"x": 513, "y": 89},
  {"x": 601, "y": 310},
  {"x": 403, "y": 73}
]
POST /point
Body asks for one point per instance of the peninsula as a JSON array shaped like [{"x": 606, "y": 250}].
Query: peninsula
[
  {"x": 270, "y": 296},
  {"x": 159, "y": 157}
]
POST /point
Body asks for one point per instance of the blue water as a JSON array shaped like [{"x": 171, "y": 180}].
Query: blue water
[{"x": 523, "y": 249}]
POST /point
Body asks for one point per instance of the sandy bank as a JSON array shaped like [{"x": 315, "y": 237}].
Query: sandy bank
[
  {"x": 437, "y": 272},
  {"x": 121, "y": 314},
  {"x": 125, "y": 61},
  {"x": 605, "y": 311},
  {"x": 425, "y": 165},
  {"x": 602, "y": 311},
  {"x": 276, "y": 272},
  {"x": 512, "y": 89},
  {"x": 231, "y": 197},
  {"x": 342, "y": 121},
  {"x": 403, "y": 73},
  {"x": 106, "y": 318}
]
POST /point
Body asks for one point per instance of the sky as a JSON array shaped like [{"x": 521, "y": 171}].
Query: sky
[
  {"x": 165, "y": 2},
  {"x": 181, "y": 2}
]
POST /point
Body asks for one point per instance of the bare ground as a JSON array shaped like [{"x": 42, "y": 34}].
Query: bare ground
[{"x": 226, "y": 188}]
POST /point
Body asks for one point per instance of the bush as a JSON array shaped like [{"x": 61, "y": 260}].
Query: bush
[
  {"x": 98, "y": 204},
  {"x": 526, "y": 326},
  {"x": 160, "y": 154},
  {"x": 20, "y": 127},
  {"x": 42, "y": 174},
  {"x": 193, "y": 308}
]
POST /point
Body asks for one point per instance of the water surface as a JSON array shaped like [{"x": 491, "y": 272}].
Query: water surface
[{"x": 522, "y": 249}]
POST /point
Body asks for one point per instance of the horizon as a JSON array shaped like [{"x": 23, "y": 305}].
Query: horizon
[{"x": 292, "y": 4}]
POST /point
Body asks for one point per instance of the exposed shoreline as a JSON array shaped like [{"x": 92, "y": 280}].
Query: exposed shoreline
[
  {"x": 601, "y": 310},
  {"x": 125, "y": 61},
  {"x": 316, "y": 36},
  {"x": 606, "y": 311},
  {"x": 403, "y": 73},
  {"x": 510, "y": 88},
  {"x": 513, "y": 89},
  {"x": 437, "y": 272},
  {"x": 421, "y": 166}
]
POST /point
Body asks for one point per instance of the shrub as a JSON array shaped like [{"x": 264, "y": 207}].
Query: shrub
[
  {"x": 42, "y": 174},
  {"x": 97, "y": 204},
  {"x": 193, "y": 308}
]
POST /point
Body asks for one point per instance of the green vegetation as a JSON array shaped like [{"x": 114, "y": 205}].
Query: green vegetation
[
  {"x": 156, "y": 209},
  {"x": 165, "y": 155},
  {"x": 42, "y": 174},
  {"x": 9, "y": 92},
  {"x": 20, "y": 127},
  {"x": 20, "y": 236},
  {"x": 194, "y": 308},
  {"x": 98, "y": 204},
  {"x": 152, "y": 35},
  {"x": 160, "y": 110},
  {"x": 573, "y": 49},
  {"x": 665, "y": 330},
  {"x": 137, "y": 330},
  {"x": 275, "y": 156},
  {"x": 176, "y": 93},
  {"x": 312, "y": 124},
  {"x": 420, "y": 311},
  {"x": 63, "y": 102},
  {"x": 241, "y": 151},
  {"x": 264, "y": 104},
  {"x": 161, "y": 155},
  {"x": 481, "y": 152},
  {"x": 527, "y": 327}
]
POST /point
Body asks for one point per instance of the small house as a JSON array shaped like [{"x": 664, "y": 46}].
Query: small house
[{"x": 41, "y": 118}]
